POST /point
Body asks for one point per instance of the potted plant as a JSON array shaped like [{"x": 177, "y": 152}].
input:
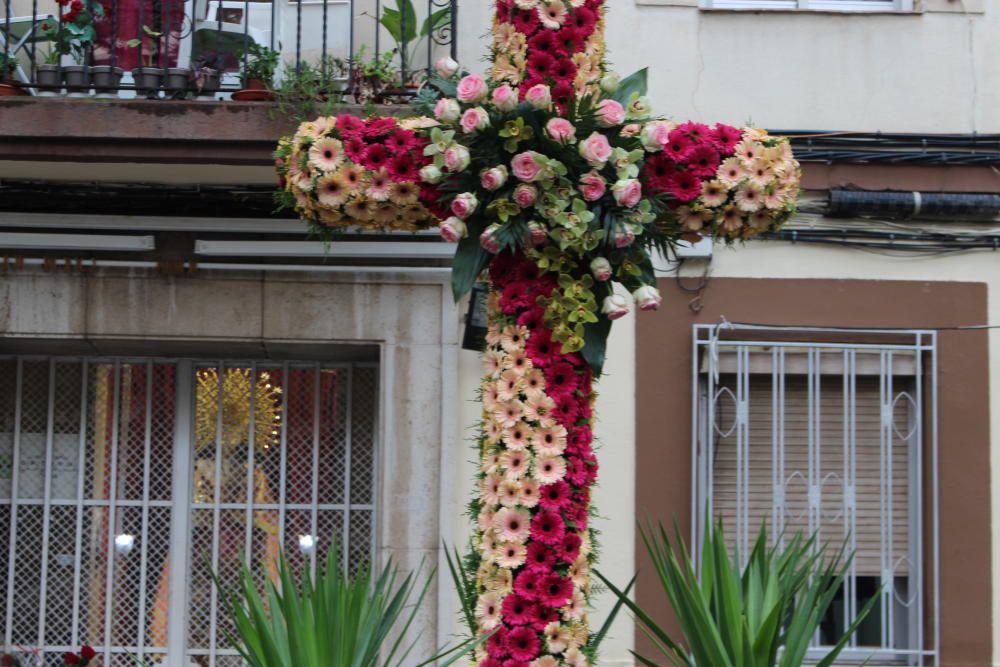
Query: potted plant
[
  {"x": 74, "y": 37},
  {"x": 257, "y": 74},
  {"x": 372, "y": 81},
  {"x": 106, "y": 79},
  {"x": 9, "y": 85},
  {"x": 307, "y": 91},
  {"x": 206, "y": 74},
  {"x": 147, "y": 78}
]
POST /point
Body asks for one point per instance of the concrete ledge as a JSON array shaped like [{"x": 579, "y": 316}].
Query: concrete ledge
[{"x": 146, "y": 131}]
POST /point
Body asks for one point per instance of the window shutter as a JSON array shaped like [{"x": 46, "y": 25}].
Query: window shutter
[{"x": 874, "y": 521}]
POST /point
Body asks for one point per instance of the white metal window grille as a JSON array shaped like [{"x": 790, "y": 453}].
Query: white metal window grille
[
  {"x": 97, "y": 455},
  {"x": 811, "y": 434},
  {"x": 814, "y": 5}
]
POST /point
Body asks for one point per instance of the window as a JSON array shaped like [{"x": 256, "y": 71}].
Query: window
[
  {"x": 110, "y": 514},
  {"x": 834, "y": 439},
  {"x": 815, "y": 5}
]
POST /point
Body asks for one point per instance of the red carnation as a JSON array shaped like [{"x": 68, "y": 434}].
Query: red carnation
[
  {"x": 87, "y": 653},
  {"x": 71, "y": 658},
  {"x": 523, "y": 644}
]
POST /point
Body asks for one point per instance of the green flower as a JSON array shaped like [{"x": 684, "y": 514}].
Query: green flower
[
  {"x": 515, "y": 131},
  {"x": 625, "y": 162}
]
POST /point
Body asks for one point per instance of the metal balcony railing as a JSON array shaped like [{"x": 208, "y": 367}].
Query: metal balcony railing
[{"x": 363, "y": 49}]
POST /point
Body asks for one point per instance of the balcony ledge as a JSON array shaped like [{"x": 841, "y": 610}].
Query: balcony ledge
[{"x": 144, "y": 131}]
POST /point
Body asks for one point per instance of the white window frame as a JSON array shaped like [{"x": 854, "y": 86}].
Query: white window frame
[
  {"x": 735, "y": 342},
  {"x": 177, "y": 648},
  {"x": 846, "y": 6}
]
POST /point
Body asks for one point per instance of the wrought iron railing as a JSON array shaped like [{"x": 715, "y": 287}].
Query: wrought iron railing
[{"x": 367, "y": 49}]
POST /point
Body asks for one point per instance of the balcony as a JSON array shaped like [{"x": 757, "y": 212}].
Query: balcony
[{"x": 340, "y": 51}]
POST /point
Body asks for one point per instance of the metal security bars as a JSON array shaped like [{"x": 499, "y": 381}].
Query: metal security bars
[
  {"x": 180, "y": 48},
  {"x": 834, "y": 433},
  {"x": 110, "y": 510}
]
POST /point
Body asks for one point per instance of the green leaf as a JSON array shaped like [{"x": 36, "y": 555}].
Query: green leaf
[
  {"x": 435, "y": 21},
  {"x": 636, "y": 82},
  {"x": 596, "y": 343},
  {"x": 470, "y": 260}
]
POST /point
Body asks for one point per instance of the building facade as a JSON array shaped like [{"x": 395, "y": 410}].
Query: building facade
[{"x": 189, "y": 380}]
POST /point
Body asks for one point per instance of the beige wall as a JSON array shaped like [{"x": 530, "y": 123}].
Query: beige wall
[{"x": 923, "y": 72}]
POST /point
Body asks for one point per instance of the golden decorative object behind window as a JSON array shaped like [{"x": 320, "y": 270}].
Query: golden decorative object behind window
[{"x": 236, "y": 406}]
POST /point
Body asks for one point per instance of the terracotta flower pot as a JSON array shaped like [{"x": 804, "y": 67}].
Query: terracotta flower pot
[
  {"x": 147, "y": 81},
  {"x": 77, "y": 78},
  {"x": 176, "y": 83},
  {"x": 49, "y": 78},
  {"x": 12, "y": 90},
  {"x": 255, "y": 84},
  {"x": 106, "y": 79}
]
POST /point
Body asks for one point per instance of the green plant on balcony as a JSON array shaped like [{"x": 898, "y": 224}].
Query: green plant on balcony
[
  {"x": 764, "y": 614},
  {"x": 72, "y": 33},
  {"x": 307, "y": 91},
  {"x": 259, "y": 67},
  {"x": 373, "y": 79},
  {"x": 401, "y": 24}
]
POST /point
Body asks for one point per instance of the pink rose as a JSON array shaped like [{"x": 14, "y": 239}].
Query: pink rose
[
  {"x": 592, "y": 186},
  {"x": 474, "y": 120},
  {"x": 536, "y": 234},
  {"x": 631, "y": 130},
  {"x": 561, "y": 130},
  {"x": 615, "y": 306},
  {"x": 446, "y": 67},
  {"x": 447, "y": 110},
  {"x": 472, "y": 89},
  {"x": 525, "y": 195},
  {"x": 610, "y": 113},
  {"x": 464, "y": 205},
  {"x": 627, "y": 192},
  {"x": 505, "y": 98},
  {"x": 493, "y": 179},
  {"x": 525, "y": 166},
  {"x": 457, "y": 158},
  {"x": 656, "y": 135},
  {"x": 539, "y": 96},
  {"x": 596, "y": 150},
  {"x": 623, "y": 238},
  {"x": 453, "y": 230},
  {"x": 647, "y": 297},
  {"x": 488, "y": 239},
  {"x": 600, "y": 268}
]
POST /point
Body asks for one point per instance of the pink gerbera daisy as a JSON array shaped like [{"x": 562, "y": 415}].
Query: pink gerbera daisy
[
  {"x": 525, "y": 21},
  {"x": 679, "y": 145},
  {"x": 726, "y": 137},
  {"x": 583, "y": 20},
  {"x": 517, "y": 610},
  {"x": 703, "y": 161},
  {"x": 569, "y": 548},
  {"x": 556, "y": 591},
  {"x": 548, "y": 528},
  {"x": 511, "y": 555},
  {"x": 379, "y": 185},
  {"x": 560, "y": 380},
  {"x": 349, "y": 123},
  {"x": 569, "y": 39},
  {"x": 685, "y": 186},
  {"x": 541, "y": 349},
  {"x": 554, "y": 496},
  {"x": 401, "y": 141},
  {"x": 567, "y": 410},
  {"x": 534, "y": 381},
  {"x": 550, "y": 469},
  {"x": 403, "y": 168},
  {"x": 544, "y": 42},
  {"x": 531, "y": 319},
  {"x": 697, "y": 132},
  {"x": 517, "y": 437},
  {"x": 375, "y": 157},
  {"x": 540, "y": 64},
  {"x": 550, "y": 441},
  {"x": 564, "y": 71},
  {"x": 522, "y": 644},
  {"x": 496, "y": 645},
  {"x": 526, "y": 584},
  {"x": 541, "y": 558}
]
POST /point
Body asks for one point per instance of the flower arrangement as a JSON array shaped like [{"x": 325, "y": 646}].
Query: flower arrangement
[
  {"x": 348, "y": 171},
  {"x": 84, "y": 657},
  {"x": 588, "y": 187},
  {"x": 74, "y": 32},
  {"x": 537, "y": 469}
]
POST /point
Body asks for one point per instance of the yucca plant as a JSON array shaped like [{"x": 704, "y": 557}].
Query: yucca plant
[
  {"x": 338, "y": 620},
  {"x": 762, "y": 615}
]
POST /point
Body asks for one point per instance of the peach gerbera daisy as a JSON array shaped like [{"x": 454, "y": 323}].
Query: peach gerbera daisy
[
  {"x": 517, "y": 437},
  {"x": 579, "y": 571},
  {"x": 515, "y": 464},
  {"x": 512, "y": 525},
  {"x": 750, "y": 197},
  {"x": 509, "y": 385},
  {"x": 488, "y": 611},
  {"x": 493, "y": 431},
  {"x": 485, "y": 519},
  {"x": 403, "y": 193},
  {"x": 508, "y": 413},
  {"x": 327, "y": 154},
  {"x": 489, "y": 489},
  {"x": 510, "y": 493},
  {"x": 379, "y": 185},
  {"x": 331, "y": 191},
  {"x": 731, "y": 172},
  {"x": 550, "y": 441},
  {"x": 544, "y": 661},
  {"x": 493, "y": 335},
  {"x": 576, "y": 608},
  {"x": 732, "y": 219},
  {"x": 493, "y": 362},
  {"x": 552, "y": 14},
  {"x": 353, "y": 176},
  {"x": 384, "y": 214},
  {"x": 534, "y": 381},
  {"x": 760, "y": 172},
  {"x": 511, "y": 554},
  {"x": 359, "y": 209},
  {"x": 557, "y": 637},
  {"x": 714, "y": 193},
  {"x": 502, "y": 582},
  {"x": 748, "y": 150},
  {"x": 538, "y": 407},
  {"x": 491, "y": 463},
  {"x": 513, "y": 338},
  {"x": 519, "y": 362},
  {"x": 529, "y": 493},
  {"x": 550, "y": 469}
]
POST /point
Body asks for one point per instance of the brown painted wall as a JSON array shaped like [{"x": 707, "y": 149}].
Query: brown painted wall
[{"x": 663, "y": 387}]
